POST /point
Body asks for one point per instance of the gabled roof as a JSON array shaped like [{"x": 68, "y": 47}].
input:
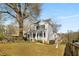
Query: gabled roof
[
  {"x": 50, "y": 22},
  {"x": 37, "y": 22}
]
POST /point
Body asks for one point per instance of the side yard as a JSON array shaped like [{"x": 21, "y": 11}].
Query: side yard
[{"x": 31, "y": 49}]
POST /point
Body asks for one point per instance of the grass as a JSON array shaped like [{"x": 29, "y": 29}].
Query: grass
[{"x": 30, "y": 49}]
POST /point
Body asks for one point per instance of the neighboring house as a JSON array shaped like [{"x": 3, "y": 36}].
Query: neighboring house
[{"x": 45, "y": 31}]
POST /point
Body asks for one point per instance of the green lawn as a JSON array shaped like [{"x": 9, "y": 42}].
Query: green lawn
[{"x": 30, "y": 49}]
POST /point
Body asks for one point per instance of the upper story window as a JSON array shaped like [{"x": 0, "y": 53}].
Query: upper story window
[
  {"x": 37, "y": 27},
  {"x": 42, "y": 26}
]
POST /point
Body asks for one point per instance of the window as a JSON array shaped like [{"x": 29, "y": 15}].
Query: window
[
  {"x": 44, "y": 34},
  {"x": 34, "y": 35},
  {"x": 37, "y": 27},
  {"x": 28, "y": 35},
  {"x": 41, "y": 34},
  {"x": 37, "y": 35},
  {"x": 42, "y": 26}
]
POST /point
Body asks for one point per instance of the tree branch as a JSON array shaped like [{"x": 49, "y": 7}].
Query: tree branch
[
  {"x": 8, "y": 13},
  {"x": 3, "y": 12},
  {"x": 26, "y": 16},
  {"x": 11, "y": 14},
  {"x": 19, "y": 8},
  {"x": 25, "y": 8},
  {"x": 12, "y": 7}
]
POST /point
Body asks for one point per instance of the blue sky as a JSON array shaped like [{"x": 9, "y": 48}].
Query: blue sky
[{"x": 65, "y": 14}]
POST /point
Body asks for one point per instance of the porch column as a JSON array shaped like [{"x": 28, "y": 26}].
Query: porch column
[
  {"x": 36, "y": 36},
  {"x": 43, "y": 35},
  {"x": 32, "y": 36}
]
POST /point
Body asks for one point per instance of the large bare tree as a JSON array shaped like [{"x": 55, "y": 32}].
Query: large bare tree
[
  {"x": 21, "y": 11},
  {"x": 1, "y": 25}
]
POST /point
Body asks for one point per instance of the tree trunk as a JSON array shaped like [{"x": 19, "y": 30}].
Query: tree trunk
[{"x": 21, "y": 29}]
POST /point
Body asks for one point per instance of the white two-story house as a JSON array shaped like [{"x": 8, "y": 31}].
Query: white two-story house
[{"x": 45, "y": 31}]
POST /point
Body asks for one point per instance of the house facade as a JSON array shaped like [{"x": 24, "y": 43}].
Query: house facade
[{"x": 45, "y": 31}]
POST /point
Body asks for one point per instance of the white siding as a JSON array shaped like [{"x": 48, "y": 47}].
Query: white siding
[{"x": 51, "y": 35}]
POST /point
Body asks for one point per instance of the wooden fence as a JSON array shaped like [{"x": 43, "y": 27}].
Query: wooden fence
[{"x": 71, "y": 49}]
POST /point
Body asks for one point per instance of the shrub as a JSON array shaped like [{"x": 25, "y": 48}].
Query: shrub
[
  {"x": 51, "y": 41},
  {"x": 2, "y": 36},
  {"x": 39, "y": 41},
  {"x": 6, "y": 38}
]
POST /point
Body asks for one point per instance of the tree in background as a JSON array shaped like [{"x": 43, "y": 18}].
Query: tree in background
[
  {"x": 1, "y": 25},
  {"x": 11, "y": 30},
  {"x": 21, "y": 11},
  {"x": 78, "y": 34}
]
